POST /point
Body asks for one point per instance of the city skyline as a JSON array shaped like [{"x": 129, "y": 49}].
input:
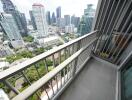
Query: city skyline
[{"x": 71, "y": 9}]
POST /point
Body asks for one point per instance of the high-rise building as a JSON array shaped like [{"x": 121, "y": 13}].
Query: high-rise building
[
  {"x": 9, "y": 8},
  {"x": 53, "y": 18},
  {"x": 69, "y": 29},
  {"x": 32, "y": 20},
  {"x": 24, "y": 23},
  {"x": 40, "y": 19},
  {"x": 61, "y": 22},
  {"x": 67, "y": 19},
  {"x": 87, "y": 20},
  {"x": 48, "y": 17},
  {"x": 10, "y": 28},
  {"x": 58, "y": 12},
  {"x": 75, "y": 20}
]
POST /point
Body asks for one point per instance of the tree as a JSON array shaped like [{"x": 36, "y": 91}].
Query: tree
[
  {"x": 23, "y": 54},
  {"x": 39, "y": 51},
  {"x": 28, "y": 39}
]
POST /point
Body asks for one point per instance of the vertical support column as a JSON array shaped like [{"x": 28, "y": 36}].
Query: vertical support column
[
  {"x": 37, "y": 70},
  {"x": 26, "y": 78},
  {"x": 11, "y": 87},
  {"x": 74, "y": 66},
  {"x": 60, "y": 57},
  {"x": 53, "y": 58},
  {"x": 45, "y": 63}
]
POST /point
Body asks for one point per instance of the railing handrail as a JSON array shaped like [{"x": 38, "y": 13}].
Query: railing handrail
[
  {"x": 39, "y": 83},
  {"x": 14, "y": 69}
]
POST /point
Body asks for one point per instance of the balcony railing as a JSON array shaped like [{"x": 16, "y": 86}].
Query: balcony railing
[{"x": 67, "y": 60}]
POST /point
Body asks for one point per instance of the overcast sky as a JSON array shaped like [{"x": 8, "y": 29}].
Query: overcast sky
[{"x": 68, "y": 6}]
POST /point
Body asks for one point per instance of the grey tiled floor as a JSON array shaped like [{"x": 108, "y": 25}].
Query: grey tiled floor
[{"x": 97, "y": 81}]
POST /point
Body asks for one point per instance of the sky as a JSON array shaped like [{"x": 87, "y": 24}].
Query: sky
[{"x": 69, "y": 7}]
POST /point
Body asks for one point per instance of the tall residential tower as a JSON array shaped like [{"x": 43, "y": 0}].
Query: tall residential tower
[{"x": 40, "y": 19}]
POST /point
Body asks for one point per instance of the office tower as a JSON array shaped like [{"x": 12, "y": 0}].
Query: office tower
[
  {"x": 61, "y": 22},
  {"x": 48, "y": 17},
  {"x": 53, "y": 18},
  {"x": 32, "y": 20},
  {"x": 40, "y": 19},
  {"x": 87, "y": 20},
  {"x": 67, "y": 19},
  {"x": 24, "y": 23},
  {"x": 75, "y": 20},
  {"x": 89, "y": 14},
  {"x": 10, "y": 28},
  {"x": 58, "y": 12},
  {"x": 9, "y": 8}
]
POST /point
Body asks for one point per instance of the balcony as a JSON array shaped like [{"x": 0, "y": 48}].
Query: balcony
[{"x": 78, "y": 74}]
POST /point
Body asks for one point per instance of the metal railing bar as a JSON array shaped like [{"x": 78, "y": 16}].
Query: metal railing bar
[
  {"x": 11, "y": 87},
  {"x": 59, "y": 57},
  {"x": 64, "y": 75},
  {"x": 100, "y": 34},
  {"x": 65, "y": 53},
  {"x": 61, "y": 78},
  {"x": 121, "y": 31},
  {"x": 113, "y": 16},
  {"x": 129, "y": 27},
  {"x": 52, "y": 87},
  {"x": 123, "y": 46},
  {"x": 18, "y": 68},
  {"x": 53, "y": 58},
  {"x": 101, "y": 14},
  {"x": 35, "y": 66},
  {"x": 117, "y": 19},
  {"x": 26, "y": 78},
  {"x": 57, "y": 82},
  {"x": 45, "y": 63},
  {"x": 67, "y": 71},
  {"x": 104, "y": 23},
  {"x": 46, "y": 93},
  {"x": 38, "y": 84}
]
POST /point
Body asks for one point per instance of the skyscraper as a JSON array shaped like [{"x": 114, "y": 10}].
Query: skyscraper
[
  {"x": 75, "y": 20},
  {"x": 48, "y": 17},
  {"x": 89, "y": 14},
  {"x": 58, "y": 12},
  {"x": 87, "y": 19},
  {"x": 9, "y": 8},
  {"x": 32, "y": 20},
  {"x": 40, "y": 19},
  {"x": 10, "y": 28},
  {"x": 53, "y": 18},
  {"x": 24, "y": 23},
  {"x": 67, "y": 19}
]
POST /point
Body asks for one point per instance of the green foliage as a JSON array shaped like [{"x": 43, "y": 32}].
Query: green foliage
[
  {"x": 13, "y": 58},
  {"x": 28, "y": 39},
  {"x": 4, "y": 88},
  {"x": 39, "y": 51},
  {"x": 23, "y": 54},
  {"x": 49, "y": 62}
]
